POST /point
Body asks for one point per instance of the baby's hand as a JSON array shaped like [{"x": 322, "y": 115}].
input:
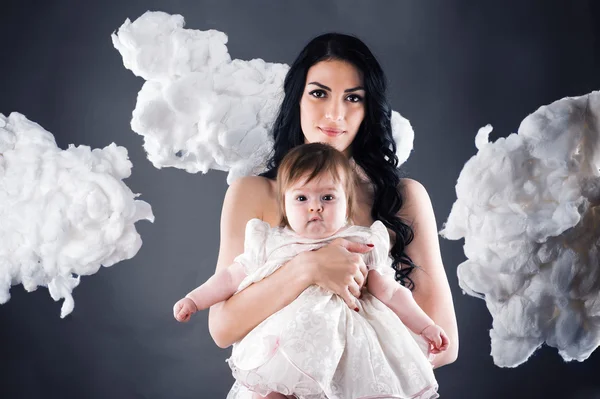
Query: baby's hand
[
  {"x": 436, "y": 337},
  {"x": 183, "y": 309}
]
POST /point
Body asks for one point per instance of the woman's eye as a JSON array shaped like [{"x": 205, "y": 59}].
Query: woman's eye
[
  {"x": 354, "y": 98},
  {"x": 328, "y": 197},
  {"x": 301, "y": 198},
  {"x": 317, "y": 93}
]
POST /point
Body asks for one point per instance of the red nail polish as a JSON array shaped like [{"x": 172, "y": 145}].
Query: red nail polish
[
  {"x": 356, "y": 309},
  {"x": 370, "y": 245}
]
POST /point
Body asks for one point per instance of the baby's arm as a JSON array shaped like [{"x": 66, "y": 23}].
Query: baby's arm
[
  {"x": 400, "y": 300},
  {"x": 221, "y": 286}
]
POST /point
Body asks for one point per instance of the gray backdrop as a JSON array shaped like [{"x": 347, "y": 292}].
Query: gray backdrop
[{"x": 453, "y": 66}]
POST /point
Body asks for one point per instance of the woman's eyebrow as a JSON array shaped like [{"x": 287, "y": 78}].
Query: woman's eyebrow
[{"x": 322, "y": 86}]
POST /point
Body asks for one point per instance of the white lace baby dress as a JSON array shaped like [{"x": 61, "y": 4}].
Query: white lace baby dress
[{"x": 319, "y": 348}]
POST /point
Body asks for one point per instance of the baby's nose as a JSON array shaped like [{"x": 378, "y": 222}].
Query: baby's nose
[{"x": 316, "y": 207}]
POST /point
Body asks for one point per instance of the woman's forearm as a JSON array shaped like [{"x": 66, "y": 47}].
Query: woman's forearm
[
  {"x": 231, "y": 320},
  {"x": 444, "y": 358}
]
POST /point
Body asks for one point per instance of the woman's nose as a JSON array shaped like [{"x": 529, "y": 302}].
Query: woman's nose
[{"x": 335, "y": 111}]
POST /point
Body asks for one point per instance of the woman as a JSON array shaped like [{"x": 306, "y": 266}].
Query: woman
[{"x": 335, "y": 93}]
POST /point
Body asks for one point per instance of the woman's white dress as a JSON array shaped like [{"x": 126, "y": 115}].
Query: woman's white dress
[{"x": 317, "y": 347}]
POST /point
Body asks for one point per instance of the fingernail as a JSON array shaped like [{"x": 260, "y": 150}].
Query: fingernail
[
  {"x": 370, "y": 245},
  {"x": 356, "y": 309}
]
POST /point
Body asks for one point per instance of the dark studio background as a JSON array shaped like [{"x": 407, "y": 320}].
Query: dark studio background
[{"x": 453, "y": 66}]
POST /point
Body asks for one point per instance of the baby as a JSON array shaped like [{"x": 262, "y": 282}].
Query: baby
[{"x": 316, "y": 346}]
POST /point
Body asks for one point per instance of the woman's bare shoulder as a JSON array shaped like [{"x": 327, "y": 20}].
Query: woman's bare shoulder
[
  {"x": 263, "y": 185},
  {"x": 251, "y": 194},
  {"x": 408, "y": 183},
  {"x": 415, "y": 197}
]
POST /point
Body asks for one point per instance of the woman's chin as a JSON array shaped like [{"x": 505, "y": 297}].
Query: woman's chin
[{"x": 338, "y": 142}]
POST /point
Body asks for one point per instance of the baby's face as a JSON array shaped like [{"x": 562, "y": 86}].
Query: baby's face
[{"x": 316, "y": 209}]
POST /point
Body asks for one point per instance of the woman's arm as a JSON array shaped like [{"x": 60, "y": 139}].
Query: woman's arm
[
  {"x": 333, "y": 267},
  {"x": 232, "y": 319},
  {"x": 432, "y": 291}
]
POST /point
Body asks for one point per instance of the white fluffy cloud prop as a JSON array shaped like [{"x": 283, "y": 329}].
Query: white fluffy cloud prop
[
  {"x": 63, "y": 213},
  {"x": 198, "y": 108},
  {"x": 528, "y": 209}
]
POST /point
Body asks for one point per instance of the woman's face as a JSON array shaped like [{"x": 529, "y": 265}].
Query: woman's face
[{"x": 332, "y": 106}]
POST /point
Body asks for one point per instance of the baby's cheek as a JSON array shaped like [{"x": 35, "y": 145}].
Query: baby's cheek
[
  {"x": 340, "y": 219},
  {"x": 295, "y": 224}
]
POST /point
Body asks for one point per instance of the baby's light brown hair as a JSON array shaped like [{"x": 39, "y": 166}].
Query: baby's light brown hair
[{"x": 310, "y": 161}]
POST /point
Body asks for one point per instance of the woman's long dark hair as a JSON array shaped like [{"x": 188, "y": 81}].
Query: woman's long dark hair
[{"x": 373, "y": 148}]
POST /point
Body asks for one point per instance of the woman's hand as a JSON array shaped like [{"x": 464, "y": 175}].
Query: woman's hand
[{"x": 339, "y": 268}]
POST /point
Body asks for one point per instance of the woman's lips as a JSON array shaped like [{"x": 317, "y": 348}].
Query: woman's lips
[{"x": 331, "y": 132}]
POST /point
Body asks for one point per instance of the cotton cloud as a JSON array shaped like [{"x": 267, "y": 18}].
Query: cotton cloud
[
  {"x": 63, "y": 213},
  {"x": 528, "y": 209},
  {"x": 201, "y": 110}
]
